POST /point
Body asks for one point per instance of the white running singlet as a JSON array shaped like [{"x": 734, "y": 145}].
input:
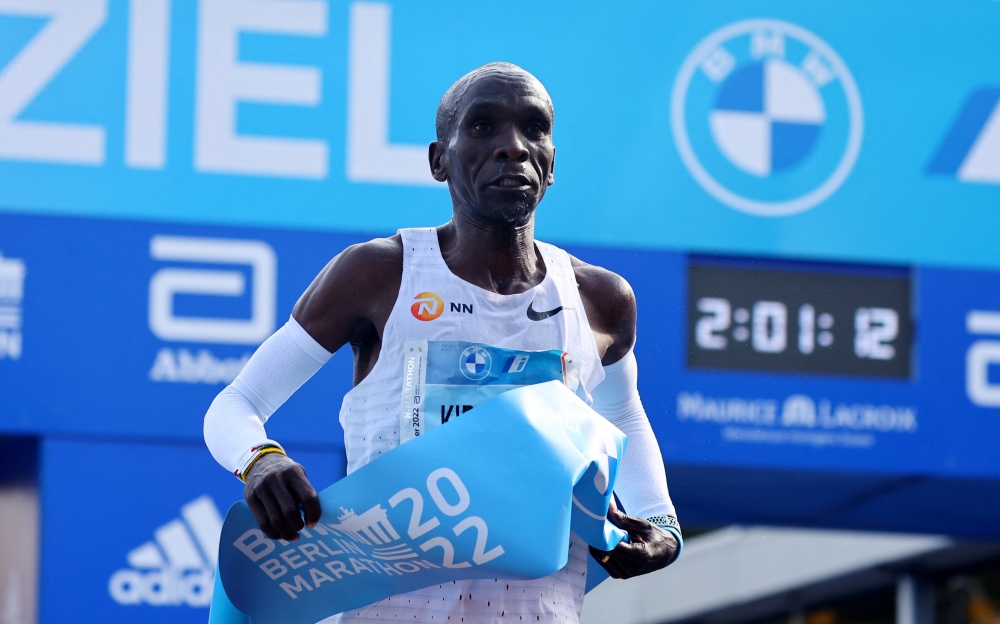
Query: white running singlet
[{"x": 457, "y": 310}]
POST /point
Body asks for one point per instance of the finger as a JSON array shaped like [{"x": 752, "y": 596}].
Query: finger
[
  {"x": 631, "y": 551},
  {"x": 629, "y": 523},
  {"x": 276, "y": 518},
  {"x": 260, "y": 515},
  {"x": 603, "y": 558},
  {"x": 289, "y": 508},
  {"x": 617, "y": 569},
  {"x": 305, "y": 494}
]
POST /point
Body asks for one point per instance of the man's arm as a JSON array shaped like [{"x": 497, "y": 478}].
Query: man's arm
[
  {"x": 654, "y": 536},
  {"x": 349, "y": 301}
]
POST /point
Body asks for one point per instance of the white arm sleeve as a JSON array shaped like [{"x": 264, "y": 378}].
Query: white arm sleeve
[
  {"x": 642, "y": 480},
  {"x": 234, "y": 424}
]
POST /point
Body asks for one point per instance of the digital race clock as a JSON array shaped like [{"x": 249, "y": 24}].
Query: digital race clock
[{"x": 799, "y": 317}]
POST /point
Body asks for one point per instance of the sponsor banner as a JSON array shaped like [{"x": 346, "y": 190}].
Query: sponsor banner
[
  {"x": 884, "y": 369},
  {"x": 445, "y": 379},
  {"x": 151, "y": 514},
  {"x": 429, "y": 513},
  {"x": 754, "y": 129},
  {"x": 133, "y": 328}
]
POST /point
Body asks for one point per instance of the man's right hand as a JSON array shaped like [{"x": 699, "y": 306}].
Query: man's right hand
[{"x": 275, "y": 488}]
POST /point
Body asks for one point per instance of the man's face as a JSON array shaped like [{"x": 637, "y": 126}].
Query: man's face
[{"x": 499, "y": 158}]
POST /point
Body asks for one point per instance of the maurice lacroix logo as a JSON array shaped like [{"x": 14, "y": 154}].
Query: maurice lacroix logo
[
  {"x": 177, "y": 567},
  {"x": 180, "y": 364},
  {"x": 11, "y": 296},
  {"x": 766, "y": 117}
]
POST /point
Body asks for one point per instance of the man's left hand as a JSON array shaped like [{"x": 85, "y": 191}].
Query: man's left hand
[{"x": 649, "y": 548}]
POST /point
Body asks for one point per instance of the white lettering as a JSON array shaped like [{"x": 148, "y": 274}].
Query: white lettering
[
  {"x": 73, "y": 23},
  {"x": 980, "y": 356},
  {"x": 146, "y": 95},
  {"x": 254, "y": 545},
  {"x": 182, "y": 367},
  {"x": 817, "y": 69},
  {"x": 718, "y": 65},
  {"x": 12, "y": 273},
  {"x": 223, "y": 81},
  {"x": 370, "y": 155},
  {"x": 767, "y": 44}
]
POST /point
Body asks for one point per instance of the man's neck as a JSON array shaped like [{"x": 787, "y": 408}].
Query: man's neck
[{"x": 497, "y": 257}]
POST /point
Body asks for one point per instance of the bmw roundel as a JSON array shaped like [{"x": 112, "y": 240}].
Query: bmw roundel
[
  {"x": 766, "y": 117},
  {"x": 475, "y": 363}
]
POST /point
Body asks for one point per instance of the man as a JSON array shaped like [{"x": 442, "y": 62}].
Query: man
[{"x": 494, "y": 149}]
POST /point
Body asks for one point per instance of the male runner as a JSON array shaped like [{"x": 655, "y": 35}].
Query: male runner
[{"x": 494, "y": 149}]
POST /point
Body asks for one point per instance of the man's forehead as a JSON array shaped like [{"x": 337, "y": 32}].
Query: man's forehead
[{"x": 504, "y": 88}]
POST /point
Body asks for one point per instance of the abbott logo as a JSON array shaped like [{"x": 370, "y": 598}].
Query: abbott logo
[
  {"x": 981, "y": 355},
  {"x": 166, "y": 283}
]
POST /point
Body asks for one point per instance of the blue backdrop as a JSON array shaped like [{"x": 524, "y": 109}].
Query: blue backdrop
[
  {"x": 871, "y": 127},
  {"x": 173, "y": 174}
]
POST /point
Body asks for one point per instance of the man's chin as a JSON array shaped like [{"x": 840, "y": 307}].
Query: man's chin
[{"x": 510, "y": 213}]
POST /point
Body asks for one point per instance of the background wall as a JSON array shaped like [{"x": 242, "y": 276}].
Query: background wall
[{"x": 174, "y": 173}]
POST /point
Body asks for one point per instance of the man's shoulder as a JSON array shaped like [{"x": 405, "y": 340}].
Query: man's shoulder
[
  {"x": 380, "y": 252},
  {"x": 610, "y": 304},
  {"x": 600, "y": 284},
  {"x": 358, "y": 281}
]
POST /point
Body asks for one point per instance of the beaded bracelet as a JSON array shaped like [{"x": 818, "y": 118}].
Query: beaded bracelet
[{"x": 259, "y": 452}]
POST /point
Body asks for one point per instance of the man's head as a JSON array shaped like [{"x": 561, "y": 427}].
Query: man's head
[{"x": 494, "y": 143}]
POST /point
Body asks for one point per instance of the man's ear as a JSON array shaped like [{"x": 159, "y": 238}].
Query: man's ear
[
  {"x": 435, "y": 155},
  {"x": 552, "y": 169}
]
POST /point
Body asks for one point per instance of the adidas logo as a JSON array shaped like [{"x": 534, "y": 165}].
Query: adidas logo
[
  {"x": 178, "y": 566},
  {"x": 971, "y": 150}
]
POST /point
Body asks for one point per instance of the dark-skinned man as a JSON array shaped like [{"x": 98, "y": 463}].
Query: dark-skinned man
[{"x": 494, "y": 149}]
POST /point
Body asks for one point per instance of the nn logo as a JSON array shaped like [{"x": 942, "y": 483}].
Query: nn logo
[
  {"x": 177, "y": 567},
  {"x": 428, "y": 306}
]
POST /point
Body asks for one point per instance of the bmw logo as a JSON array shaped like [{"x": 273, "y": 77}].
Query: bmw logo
[
  {"x": 475, "y": 363},
  {"x": 766, "y": 117}
]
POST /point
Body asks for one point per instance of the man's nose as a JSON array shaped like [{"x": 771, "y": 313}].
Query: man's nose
[{"x": 511, "y": 145}]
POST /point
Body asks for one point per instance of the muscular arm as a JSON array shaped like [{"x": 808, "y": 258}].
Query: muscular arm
[
  {"x": 610, "y": 305},
  {"x": 349, "y": 301},
  {"x": 611, "y": 310}
]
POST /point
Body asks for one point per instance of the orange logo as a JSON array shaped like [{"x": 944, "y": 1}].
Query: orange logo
[{"x": 427, "y": 306}]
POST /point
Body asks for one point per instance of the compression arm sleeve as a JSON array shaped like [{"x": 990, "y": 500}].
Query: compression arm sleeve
[
  {"x": 234, "y": 424},
  {"x": 642, "y": 480}
]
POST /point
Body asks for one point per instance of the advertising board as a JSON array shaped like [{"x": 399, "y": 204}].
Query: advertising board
[
  {"x": 743, "y": 362},
  {"x": 133, "y": 536},
  {"x": 848, "y": 131}
]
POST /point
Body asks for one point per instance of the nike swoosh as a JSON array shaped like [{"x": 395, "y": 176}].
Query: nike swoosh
[{"x": 541, "y": 316}]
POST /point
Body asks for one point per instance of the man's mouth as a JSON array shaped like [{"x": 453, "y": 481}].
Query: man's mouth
[{"x": 511, "y": 182}]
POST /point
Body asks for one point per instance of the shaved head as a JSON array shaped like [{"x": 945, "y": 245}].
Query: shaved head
[{"x": 451, "y": 103}]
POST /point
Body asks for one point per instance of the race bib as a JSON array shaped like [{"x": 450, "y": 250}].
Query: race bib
[{"x": 444, "y": 379}]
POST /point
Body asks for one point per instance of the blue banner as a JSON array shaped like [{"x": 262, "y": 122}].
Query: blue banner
[
  {"x": 153, "y": 516},
  {"x": 772, "y": 128},
  {"x": 539, "y": 445},
  {"x": 89, "y": 346}
]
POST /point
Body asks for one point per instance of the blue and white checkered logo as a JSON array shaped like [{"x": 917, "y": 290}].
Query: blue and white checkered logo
[
  {"x": 767, "y": 117},
  {"x": 971, "y": 149},
  {"x": 475, "y": 363}
]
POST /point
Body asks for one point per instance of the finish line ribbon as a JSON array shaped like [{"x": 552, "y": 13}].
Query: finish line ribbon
[{"x": 492, "y": 495}]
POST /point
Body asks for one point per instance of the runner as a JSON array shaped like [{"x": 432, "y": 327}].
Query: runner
[{"x": 482, "y": 277}]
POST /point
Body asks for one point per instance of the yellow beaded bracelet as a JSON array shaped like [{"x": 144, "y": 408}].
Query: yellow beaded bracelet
[{"x": 260, "y": 453}]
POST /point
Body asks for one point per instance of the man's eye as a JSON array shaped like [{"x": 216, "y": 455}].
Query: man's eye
[
  {"x": 481, "y": 126},
  {"x": 536, "y": 129}
]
